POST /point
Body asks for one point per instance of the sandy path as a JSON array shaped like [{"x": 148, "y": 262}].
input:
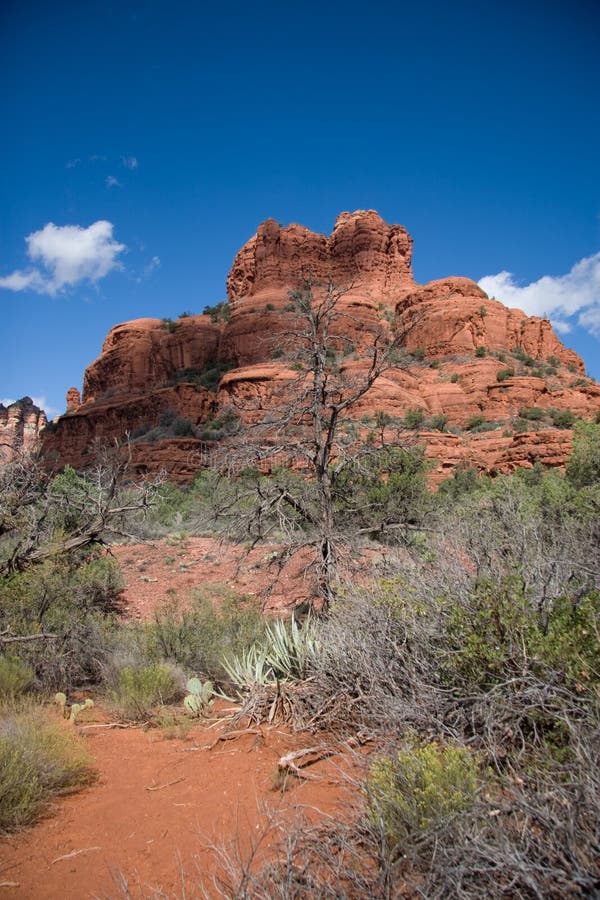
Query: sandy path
[{"x": 119, "y": 825}]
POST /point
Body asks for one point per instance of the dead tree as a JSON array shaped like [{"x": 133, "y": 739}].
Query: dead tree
[{"x": 306, "y": 430}]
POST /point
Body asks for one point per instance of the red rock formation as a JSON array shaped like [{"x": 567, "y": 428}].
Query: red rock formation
[
  {"x": 73, "y": 399},
  {"x": 72, "y": 437},
  {"x": 20, "y": 427},
  {"x": 145, "y": 354},
  {"x": 362, "y": 250},
  {"x": 369, "y": 259},
  {"x": 467, "y": 342},
  {"x": 454, "y": 316}
]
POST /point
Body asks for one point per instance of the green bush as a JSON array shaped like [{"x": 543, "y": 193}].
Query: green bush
[
  {"x": 497, "y": 634},
  {"x": 583, "y": 466},
  {"x": 38, "y": 760},
  {"x": 166, "y": 418},
  {"x": 15, "y": 677},
  {"x": 139, "y": 689},
  {"x": 523, "y": 357},
  {"x": 74, "y": 598},
  {"x": 489, "y": 634},
  {"x": 218, "y": 622},
  {"x": 220, "y": 312},
  {"x": 438, "y": 422},
  {"x": 414, "y": 418},
  {"x": 454, "y": 377},
  {"x": 562, "y": 418},
  {"x": 504, "y": 374},
  {"x": 418, "y": 353},
  {"x": 420, "y": 788},
  {"x": 169, "y": 325},
  {"x": 533, "y": 413},
  {"x": 553, "y": 361},
  {"x": 475, "y": 422},
  {"x": 182, "y": 427},
  {"x": 464, "y": 480},
  {"x": 224, "y": 425},
  {"x": 390, "y": 486},
  {"x": 480, "y": 352}
]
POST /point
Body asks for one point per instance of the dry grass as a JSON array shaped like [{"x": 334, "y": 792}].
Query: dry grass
[{"x": 39, "y": 759}]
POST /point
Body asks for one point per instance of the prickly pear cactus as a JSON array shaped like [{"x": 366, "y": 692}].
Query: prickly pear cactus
[
  {"x": 61, "y": 701},
  {"x": 200, "y": 697},
  {"x": 71, "y": 712}
]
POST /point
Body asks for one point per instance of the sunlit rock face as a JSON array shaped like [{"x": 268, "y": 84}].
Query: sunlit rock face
[
  {"x": 472, "y": 357},
  {"x": 20, "y": 427}
]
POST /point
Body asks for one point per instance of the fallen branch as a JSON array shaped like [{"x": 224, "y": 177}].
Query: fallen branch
[
  {"x": 159, "y": 787},
  {"x": 108, "y": 725},
  {"x": 7, "y": 638},
  {"x": 228, "y": 736},
  {"x": 297, "y": 760},
  {"x": 75, "y": 853}
]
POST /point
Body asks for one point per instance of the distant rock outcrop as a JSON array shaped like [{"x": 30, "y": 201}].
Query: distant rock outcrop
[
  {"x": 476, "y": 365},
  {"x": 20, "y": 426}
]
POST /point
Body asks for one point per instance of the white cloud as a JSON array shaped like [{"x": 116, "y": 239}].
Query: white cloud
[
  {"x": 21, "y": 281},
  {"x": 66, "y": 255},
  {"x": 111, "y": 181},
  {"x": 590, "y": 320},
  {"x": 130, "y": 162},
  {"x": 72, "y": 163},
  {"x": 50, "y": 411},
  {"x": 7, "y": 401},
  {"x": 148, "y": 269},
  {"x": 574, "y": 296}
]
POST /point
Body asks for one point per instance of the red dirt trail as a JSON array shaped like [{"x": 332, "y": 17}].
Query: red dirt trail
[{"x": 156, "y": 805}]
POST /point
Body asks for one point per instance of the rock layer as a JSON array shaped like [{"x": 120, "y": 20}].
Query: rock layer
[
  {"x": 453, "y": 316},
  {"x": 143, "y": 355},
  {"x": 20, "y": 426},
  {"x": 473, "y": 359}
]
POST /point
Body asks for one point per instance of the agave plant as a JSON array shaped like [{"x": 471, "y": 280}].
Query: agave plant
[
  {"x": 249, "y": 667},
  {"x": 284, "y": 654},
  {"x": 290, "y": 650}
]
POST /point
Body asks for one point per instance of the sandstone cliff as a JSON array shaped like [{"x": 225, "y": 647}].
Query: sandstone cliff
[
  {"x": 20, "y": 427},
  {"x": 475, "y": 365}
]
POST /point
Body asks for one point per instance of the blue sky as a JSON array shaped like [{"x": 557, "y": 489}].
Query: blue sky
[{"x": 175, "y": 128}]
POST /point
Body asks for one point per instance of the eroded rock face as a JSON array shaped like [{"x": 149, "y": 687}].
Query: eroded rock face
[
  {"x": 362, "y": 250},
  {"x": 454, "y": 316},
  {"x": 144, "y": 419},
  {"x": 364, "y": 256},
  {"x": 145, "y": 354},
  {"x": 473, "y": 358},
  {"x": 20, "y": 427}
]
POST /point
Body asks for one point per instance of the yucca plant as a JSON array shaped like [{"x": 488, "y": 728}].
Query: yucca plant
[
  {"x": 291, "y": 650},
  {"x": 284, "y": 654},
  {"x": 249, "y": 667}
]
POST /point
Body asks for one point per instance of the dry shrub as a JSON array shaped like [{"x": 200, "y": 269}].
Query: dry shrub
[
  {"x": 38, "y": 760},
  {"x": 139, "y": 689}
]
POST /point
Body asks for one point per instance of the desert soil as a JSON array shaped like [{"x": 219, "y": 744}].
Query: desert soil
[{"x": 159, "y": 805}]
